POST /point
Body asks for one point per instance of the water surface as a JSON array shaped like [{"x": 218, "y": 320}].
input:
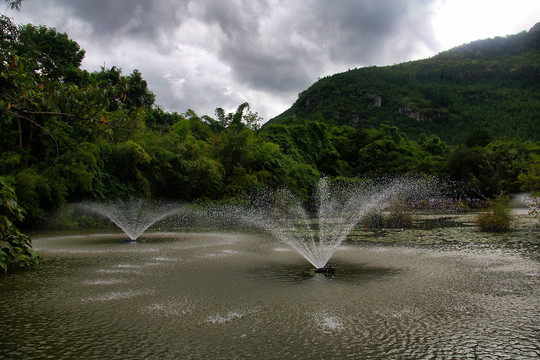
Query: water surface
[{"x": 227, "y": 295}]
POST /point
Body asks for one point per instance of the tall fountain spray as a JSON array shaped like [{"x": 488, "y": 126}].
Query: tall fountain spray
[
  {"x": 316, "y": 235},
  {"x": 133, "y": 216}
]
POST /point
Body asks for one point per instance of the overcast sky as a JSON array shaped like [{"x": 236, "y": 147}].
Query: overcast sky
[{"x": 204, "y": 54}]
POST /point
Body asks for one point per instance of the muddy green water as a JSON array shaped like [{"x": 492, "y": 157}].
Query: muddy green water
[{"x": 245, "y": 296}]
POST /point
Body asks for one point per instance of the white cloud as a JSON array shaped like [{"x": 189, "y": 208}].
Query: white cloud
[{"x": 456, "y": 22}]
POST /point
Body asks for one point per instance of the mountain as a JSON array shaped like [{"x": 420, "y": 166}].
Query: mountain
[{"x": 491, "y": 84}]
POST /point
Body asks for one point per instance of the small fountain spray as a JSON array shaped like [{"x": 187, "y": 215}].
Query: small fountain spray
[{"x": 133, "y": 217}]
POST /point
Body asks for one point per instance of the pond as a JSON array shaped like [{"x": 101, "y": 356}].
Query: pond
[{"x": 224, "y": 295}]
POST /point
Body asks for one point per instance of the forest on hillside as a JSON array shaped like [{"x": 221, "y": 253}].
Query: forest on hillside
[
  {"x": 70, "y": 135},
  {"x": 490, "y": 84}
]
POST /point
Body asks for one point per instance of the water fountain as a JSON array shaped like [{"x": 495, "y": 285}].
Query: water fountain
[
  {"x": 133, "y": 216},
  {"x": 316, "y": 235}
]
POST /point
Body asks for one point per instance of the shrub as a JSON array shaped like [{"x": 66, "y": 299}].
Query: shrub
[
  {"x": 374, "y": 221},
  {"x": 497, "y": 218},
  {"x": 399, "y": 217}
]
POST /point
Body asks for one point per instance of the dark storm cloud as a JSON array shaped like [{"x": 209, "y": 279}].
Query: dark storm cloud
[
  {"x": 362, "y": 32},
  {"x": 258, "y": 55},
  {"x": 142, "y": 19},
  {"x": 237, "y": 19},
  {"x": 265, "y": 70},
  {"x": 329, "y": 35}
]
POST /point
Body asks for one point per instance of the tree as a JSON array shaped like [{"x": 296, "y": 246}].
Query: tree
[
  {"x": 252, "y": 120},
  {"x": 14, "y": 4},
  {"x": 48, "y": 52},
  {"x": 136, "y": 92},
  {"x": 52, "y": 116},
  {"x": 503, "y": 162},
  {"x": 464, "y": 165},
  {"x": 478, "y": 137},
  {"x": 389, "y": 153},
  {"x": 128, "y": 92},
  {"x": 238, "y": 118},
  {"x": 181, "y": 166},
  {"x": 32, "y": 93}
]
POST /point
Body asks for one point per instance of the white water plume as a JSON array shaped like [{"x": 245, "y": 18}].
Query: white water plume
[
  {"x": 133, "y": 216},
  {"x": 339, "y": 209}
]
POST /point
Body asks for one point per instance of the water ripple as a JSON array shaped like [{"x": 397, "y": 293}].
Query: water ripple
[{"x": 117, "y": 295}]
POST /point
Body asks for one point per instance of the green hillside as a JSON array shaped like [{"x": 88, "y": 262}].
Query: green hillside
[{"x": 491, "y": 84}]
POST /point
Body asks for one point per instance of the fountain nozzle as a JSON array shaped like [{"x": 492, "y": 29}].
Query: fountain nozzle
[{"x": 327, "y": 270}]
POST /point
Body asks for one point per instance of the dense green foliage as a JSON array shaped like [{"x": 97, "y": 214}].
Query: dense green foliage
[
  {"x": 15, "y": 246},
  {"x": 69, "y": 135},
  {"x": 489, "y": 84}
]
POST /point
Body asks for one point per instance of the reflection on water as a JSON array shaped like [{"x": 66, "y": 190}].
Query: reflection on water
[
  {"x": 345, "y": 272},
  {"x": 224, "y": 295}
]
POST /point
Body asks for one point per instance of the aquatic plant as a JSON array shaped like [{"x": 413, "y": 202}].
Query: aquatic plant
[{"x": 497, "y": 218}]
